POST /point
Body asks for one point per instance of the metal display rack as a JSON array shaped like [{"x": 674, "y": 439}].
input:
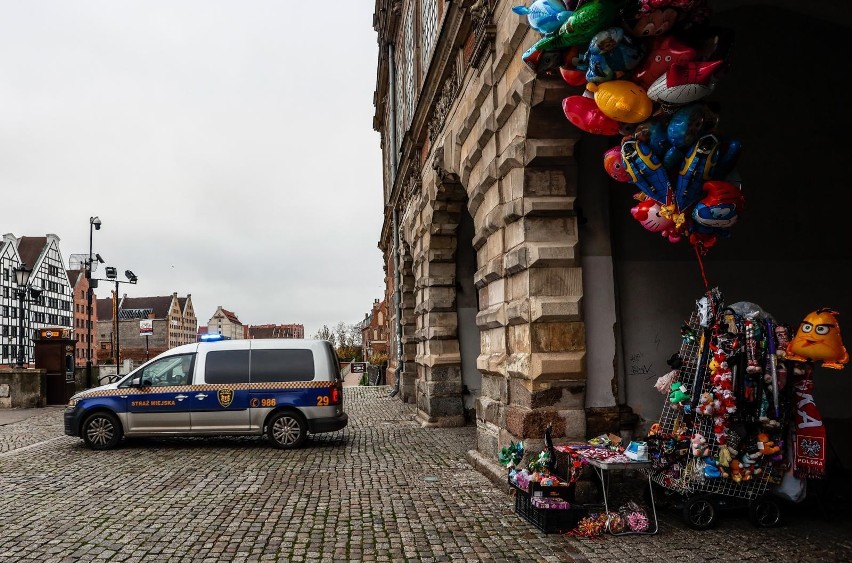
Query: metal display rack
[
  {"x": 692, "y": 479},
  {"x": 702, "y": 496}
]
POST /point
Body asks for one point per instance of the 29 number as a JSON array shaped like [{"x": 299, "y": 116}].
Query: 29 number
[{"x": 322, "y": 401}]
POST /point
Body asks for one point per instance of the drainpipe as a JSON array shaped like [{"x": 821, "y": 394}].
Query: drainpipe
[{"x": 397, "y": 299}]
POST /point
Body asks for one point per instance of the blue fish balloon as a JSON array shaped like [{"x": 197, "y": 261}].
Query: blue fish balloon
[{"x": 544, "y": 16}]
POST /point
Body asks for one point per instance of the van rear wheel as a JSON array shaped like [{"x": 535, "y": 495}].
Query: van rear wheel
[
  {"x": 287, "y": 430},
  {"x": 102, "y": 431}
]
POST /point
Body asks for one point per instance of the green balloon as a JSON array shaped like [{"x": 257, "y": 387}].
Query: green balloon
[{"x": 583, "y": 24}]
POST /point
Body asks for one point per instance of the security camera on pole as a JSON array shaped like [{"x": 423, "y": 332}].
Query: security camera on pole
[
  {"x": 112, "y": 275},
  {"x": 94, "y": 225}
]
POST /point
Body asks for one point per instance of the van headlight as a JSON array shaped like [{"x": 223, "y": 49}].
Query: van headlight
[{"x": 72, "y": 402}]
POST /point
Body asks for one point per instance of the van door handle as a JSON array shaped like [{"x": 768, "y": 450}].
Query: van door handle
[
  {"x": 181, "y": 397},
  {"x": 201, "y": 396}
]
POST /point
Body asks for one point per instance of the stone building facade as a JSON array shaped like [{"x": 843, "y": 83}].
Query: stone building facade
[
  {"x": 480, "y": 188},
  {"x": 227, "y": 324},
  {"x": 517, "y": 296}
]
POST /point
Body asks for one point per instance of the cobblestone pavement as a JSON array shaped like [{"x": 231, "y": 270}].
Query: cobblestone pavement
[{"x": 363, "y": 494}]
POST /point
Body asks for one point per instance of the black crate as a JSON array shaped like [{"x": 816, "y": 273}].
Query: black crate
[{"x": 548, "y": 520}]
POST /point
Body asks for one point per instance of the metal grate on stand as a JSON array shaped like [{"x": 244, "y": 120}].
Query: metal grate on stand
[{"x": 692, "y": 479}]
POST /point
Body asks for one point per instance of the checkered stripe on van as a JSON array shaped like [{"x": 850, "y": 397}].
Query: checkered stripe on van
[{"x": 274, "y": 386}]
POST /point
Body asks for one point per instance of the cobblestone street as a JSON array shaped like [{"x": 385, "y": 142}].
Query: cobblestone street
[{"x": 362, "y": 494}]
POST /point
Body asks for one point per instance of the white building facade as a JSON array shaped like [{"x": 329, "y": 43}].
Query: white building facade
[{"x": 52, "y": 308}]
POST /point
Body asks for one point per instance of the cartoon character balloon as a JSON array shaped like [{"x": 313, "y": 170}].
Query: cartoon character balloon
[
  {"x": 647, "y": 212},
  {"x": 544, "y": 16},
  {"x": 614, "y": 165},
  {"x": 819, "y": 339}
]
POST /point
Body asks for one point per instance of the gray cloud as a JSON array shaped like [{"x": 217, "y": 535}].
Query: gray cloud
[{"x": 226, "y": 146}]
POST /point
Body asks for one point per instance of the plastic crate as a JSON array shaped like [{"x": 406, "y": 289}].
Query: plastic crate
[{"x": 548, "y": 521}]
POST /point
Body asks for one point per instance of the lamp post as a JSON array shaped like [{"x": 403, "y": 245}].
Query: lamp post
[
  {"x": 22, "y": 278},
  {"x": 112, "y": 275},
  {"x": 94, "y": 225}
]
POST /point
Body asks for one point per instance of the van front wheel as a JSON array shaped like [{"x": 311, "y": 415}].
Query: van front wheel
[
  {"x": 101, "y": 431},
  {"x": 287, "y": 430}
]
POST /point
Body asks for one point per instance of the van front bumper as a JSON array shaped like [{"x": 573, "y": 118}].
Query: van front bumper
[
  {"x": 72, "y": 421},
  {"x": 320, "y": 425}
]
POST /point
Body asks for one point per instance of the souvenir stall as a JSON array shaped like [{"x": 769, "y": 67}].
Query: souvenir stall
[
  {"x": 739, "y": 428},
  {"x": 738, "y": 417}
]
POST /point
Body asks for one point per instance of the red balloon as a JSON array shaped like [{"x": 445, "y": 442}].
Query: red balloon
[
  {"x": 572, "y": 76},
  {"x": 614, "y": 164},
  {"x": 584, "y": 113},
  {"x": 568, "y": 70},
  {"x": 662, "y": 53}
]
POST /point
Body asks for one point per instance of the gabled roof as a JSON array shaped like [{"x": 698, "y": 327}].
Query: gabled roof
[
  {"x": 74, "y": 276},
  {"x": 30, "y": 248},
  {"x": 160, "y": 306},
  {"x": 231, "y": 316}
]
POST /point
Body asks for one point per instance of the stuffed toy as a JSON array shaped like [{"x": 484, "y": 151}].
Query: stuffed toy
[
  {"x": 737, "y": 472},
  {"x": 726, "y": 456},
  {"x": 747, "y": 463},
  {"x": 729, "y": 402},
  {"x": 664, "y": 382},
  {"x": 766, "y": 446},
  {"x": 678, "y": 394},
  {"x": 698, "y": 445},
  {"x": 707, "y": 405},
  {"x": 712, "y": 469},
  {"x": 719, "y": 428}
]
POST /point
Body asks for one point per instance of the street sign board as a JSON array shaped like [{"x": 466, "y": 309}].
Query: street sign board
[
  {"x": 359, "y": 367},
  {"x": 146, "y": 327}
]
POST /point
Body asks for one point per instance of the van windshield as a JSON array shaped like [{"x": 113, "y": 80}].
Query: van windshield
[{"x": 171, "y": 370}]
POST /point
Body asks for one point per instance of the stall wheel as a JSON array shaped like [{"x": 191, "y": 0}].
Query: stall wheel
[
  {"x": 765, "y": 513},
  {"x": 699, "y": 513}
]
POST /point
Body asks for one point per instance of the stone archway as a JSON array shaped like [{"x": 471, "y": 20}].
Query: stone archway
[{"x": 430, "y": 225}]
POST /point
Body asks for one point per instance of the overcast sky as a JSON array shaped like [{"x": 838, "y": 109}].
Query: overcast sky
[{"x": 227, "y": 147}]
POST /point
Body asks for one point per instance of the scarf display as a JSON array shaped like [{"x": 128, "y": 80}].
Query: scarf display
[{"x": 809, "y": 431}]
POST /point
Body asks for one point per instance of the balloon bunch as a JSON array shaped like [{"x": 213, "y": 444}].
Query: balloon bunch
[{"x": 647, "y": 66}]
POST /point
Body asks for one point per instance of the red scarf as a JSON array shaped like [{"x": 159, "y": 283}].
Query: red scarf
[{"x": 809, "y": 442}]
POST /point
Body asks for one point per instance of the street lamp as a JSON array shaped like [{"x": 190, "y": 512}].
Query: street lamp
[
  {"x": 22, "y": 278},
  {"x": 112, "y": 275},
  {"x": 94, "y": 225}
]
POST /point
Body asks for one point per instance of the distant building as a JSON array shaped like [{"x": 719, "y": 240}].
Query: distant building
[
  {"x": 173, "y": 319},
  {"x": 79, "y": 287},
  {"x": 227, "y": 324},
  {"x": 374, "y": 330},
  {"x": 53, "y": 308},
  {"x": 276, "y": 331}
]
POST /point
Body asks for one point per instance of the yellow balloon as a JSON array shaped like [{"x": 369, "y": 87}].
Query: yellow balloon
[{"x": 622, "y": 100}]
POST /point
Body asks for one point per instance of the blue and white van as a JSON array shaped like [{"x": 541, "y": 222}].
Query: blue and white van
[{"x": 283, "y": 388}]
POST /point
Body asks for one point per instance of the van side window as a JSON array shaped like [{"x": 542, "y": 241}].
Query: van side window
[
  {"x": 227, "y": 366},
  {"x": 281, "y": 365}
]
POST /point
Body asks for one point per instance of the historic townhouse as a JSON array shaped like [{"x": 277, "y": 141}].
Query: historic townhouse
[
  {"x": 52, "y": 308},
  {"x": 521, "y": 292},
  {"x": 173, "y": 320},
  {"x": 227, "y": 324},
  {"x": 79, "y": 287}
]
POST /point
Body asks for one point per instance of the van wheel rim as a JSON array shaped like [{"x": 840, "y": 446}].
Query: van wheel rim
[
  {"x": 286, "y": 430},
  {"x": 100, "y": 431}
]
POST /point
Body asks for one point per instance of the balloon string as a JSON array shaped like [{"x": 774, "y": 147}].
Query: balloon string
[{"x": 701, "y": 266}]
